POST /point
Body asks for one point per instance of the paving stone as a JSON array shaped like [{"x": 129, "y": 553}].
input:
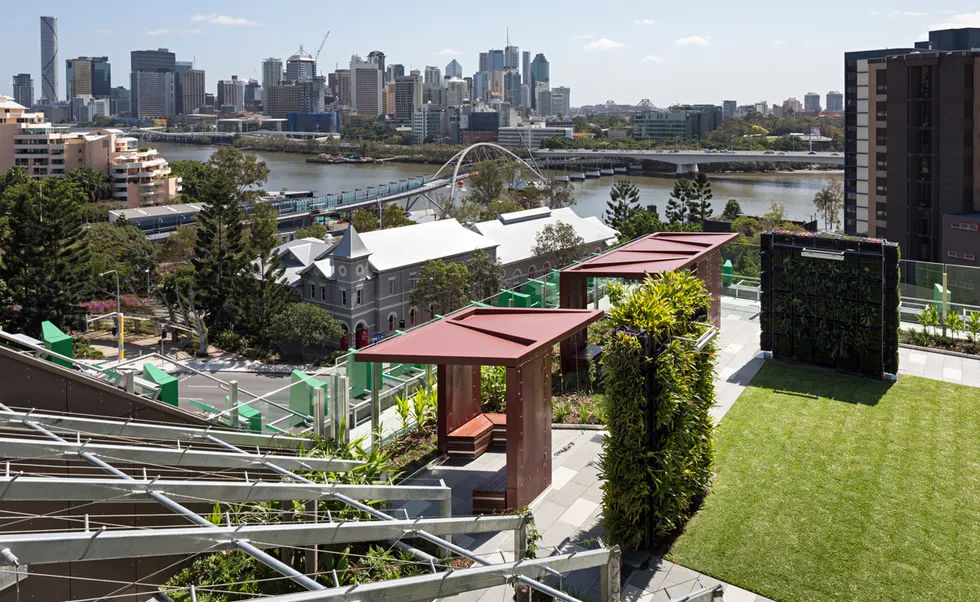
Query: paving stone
[
  {"x": 737, "y": 594},
  {"x": 680, "y": 574},
  {"x": 651, "y": 580},
  {"x": 578, "y": 512},
  {"x": 635, "y": 594},
  {"x": 546, "y": 514},
  {"x": 562, "y": 475},
  {"x": 556, "y": 534},
  {"x": 593, "y": 493},
  {"x": 676, "y": 590},
  {"x": 568, "y": 494}
]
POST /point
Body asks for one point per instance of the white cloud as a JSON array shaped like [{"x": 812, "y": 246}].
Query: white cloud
[
  {"x": 164, "y": 31},
  {"x": 216, "y": 19},
  {"x": 957, "y": 21},
  {"x": 778, "y": 42},
  {"x": 448, "y": 52},
  {"x": 644, "y": 21},
  {"x": 656, "y": 59},
  {"x": 909, "y": 13},
  {"x": 602, "y": 45},
  {"x": 106, "y": 32},
  {"x": 584, "y": 36},
  {"x": 693, "y": 41}
]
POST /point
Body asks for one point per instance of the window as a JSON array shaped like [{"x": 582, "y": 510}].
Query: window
[
  {"x": 530, "y": 272},
  {"x": 598, "y": 250},
  {"x": 360, "y": 296},
  {"x": 323, "y": 293},
  {"x": 391, "y": 322},
  {"x": 964, "y": 226},
  {"x": 343, "y": 298},
  {"x": 547, "y": 267},
  {"x": 411, "y": 317},
  {"x": 312, "y": 291},
  {"x": 517, "y": 274},
  {"x": 391, "y": 286},
  {"x": 961, "y": 255},
  {"x": 411, "y": 279}
]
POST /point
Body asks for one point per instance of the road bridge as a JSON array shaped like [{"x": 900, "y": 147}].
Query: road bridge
[{"x": 687, "y": 160}]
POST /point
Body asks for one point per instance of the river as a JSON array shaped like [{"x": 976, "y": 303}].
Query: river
[{"x": 754, "y": 191}]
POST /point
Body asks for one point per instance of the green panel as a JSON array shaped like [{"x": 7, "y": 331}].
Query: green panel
[
  {"x": 253, "y": 416},
  {"x": 937, "y": 295},
  {"x": 301, "y": 395},
  {"x": 505, "y": 299},
  {"x": 168, "y": 384},
  {"x": 554, "y": 276},
  {"x": 359, "y": 373},
  {"x": 534, "y": 293},
  {"x": 551, "y": 294},
  {"x": 57, "y": 341},
  {"x": 522, "y": 300},
  {"x": 726, "y": 273},
  {"x": 478, "y": 304}
]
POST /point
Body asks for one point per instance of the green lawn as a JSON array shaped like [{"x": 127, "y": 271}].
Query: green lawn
[{"x": 834, "y": 487}]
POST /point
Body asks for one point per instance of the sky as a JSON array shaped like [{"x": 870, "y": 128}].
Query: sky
[{"x": 625, "y": 51}]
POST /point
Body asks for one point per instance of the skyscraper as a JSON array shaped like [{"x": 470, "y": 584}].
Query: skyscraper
[
  {"x": 88, "y": 75},
  {"x": 378, "y": 57},
  {"x": 271, "y": 72},
  {"x": 526, "y": 68},
  {"x": 454, "y": 69},
  {"x": 811, "y": 102},
  {"x": 119, "y": 101},
  {"x": 495, "y": 60},
  {"x": 835, "y": 102},
  {"x": 561, "y": 101},
  {"x": 193, "y": 86},
  {"x": 433, "y": 77},
  {"x": 540, "y": 73},
  {"x": 512, "y": 55},
  {"x": 542, "y": 99},
  {"x": 365, "y": 86},
  {"x": 394, "y": 71},
  {"x": 342, "y": 77},
  {"x": 300, "y": 66},
  {"x": 180, "y": 68},
  {"x": 408, "y": 96},
  {"x": 24, "y": 90},
  {"x": 49, "y": 59},
  {"x": 729, "y": 107},
  {"x": 484, "y": 61},
  {"x": 152, "y": 83},
  {"x": 226, "y": 94},
  {"x": 239, "y": 93},
  {"x": 512, "y": 87}
]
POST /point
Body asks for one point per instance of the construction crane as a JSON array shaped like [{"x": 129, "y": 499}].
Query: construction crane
[{"x": 317, "y": 57}]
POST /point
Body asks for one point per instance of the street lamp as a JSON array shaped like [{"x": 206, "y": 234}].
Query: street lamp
[
  {"x": 119, "y": 330},
  {"x": 147, "y": 270}
]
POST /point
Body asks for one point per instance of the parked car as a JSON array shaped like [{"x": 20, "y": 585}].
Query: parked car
[
  {"x": 769, "y": 152},
  {"x": 812, "y": 153}
]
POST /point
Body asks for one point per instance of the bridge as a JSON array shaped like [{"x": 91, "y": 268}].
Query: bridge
[{"x": 687, "y": 160}]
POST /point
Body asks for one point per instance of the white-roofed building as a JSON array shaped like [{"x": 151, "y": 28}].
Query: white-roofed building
[{"x": 517, "y": 234}]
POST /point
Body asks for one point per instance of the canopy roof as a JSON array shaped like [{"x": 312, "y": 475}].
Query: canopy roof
[
  {"x": 659, "y": 252},
  {"x": 494, "y": 336}
]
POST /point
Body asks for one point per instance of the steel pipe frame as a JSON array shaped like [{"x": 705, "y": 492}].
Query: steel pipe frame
[
  {"x": 167, "y": 456},
  {"x": 75, "y": 489},
  {"x": 74, "y": 546},
  {"x": 138, "y": 430}
]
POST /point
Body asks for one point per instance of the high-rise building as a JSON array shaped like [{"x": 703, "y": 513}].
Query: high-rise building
[
  {"x": 729, "y": 108},
  {"x": 408, "y": 96},
  {"x": 688, "y": 122},
  {"x": 526, "y": 68},
  {"x": 343, "y": 95},
  {"x": 365, "y": 86},
  {"x": 24, "y": 90},
  {"x": 192, "y": 90},
  {"x": 484, "y": 61},
  {"x": 429, "y": 123},
  {"x": 119, "y": 101},
  {"x": 457, "y": 92},
  {"x": 49, "y": 59},
  {"x": 811, "y": 102},
  {"x": 271, "y": 72},
  {"x": 252, "y": 92},
  {"x": 394, "y": 71},
  {"x": 388, "y": 99},
  {"x": 561, "y": 103},
  {"x": 791, "y": 105},
  {"x": 88, "y": 75},
  {"x": 454, "y": 69},
  {"x": 239, "y": 93},
  {"x": 512, "y": 87},
  {"x": 433, "y": 76},
  {"x": 377, "y": 57},
  {"x": 281, "y": 100},
  {"x": 835, "y": 102},
  {"x": 300, "y": 66},
  {"x": 542, "y": 99},
  {"x": 481, "y": 85},
  {"x": 180, "y": 68},
  {"x": 495, "y": 60},
  {"x": 226, "y": 93},
  {"x": 152, "y": 83},
  {"x": 540, "y": 73},
  {"x": 525, "y": 95},
  {"x": 512, "y": 57}
]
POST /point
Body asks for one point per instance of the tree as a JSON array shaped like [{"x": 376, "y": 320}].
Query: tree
[
  {"x": 486, "y": 184},
  {"x": 699, "y": 200},
  {"x": 122, "y": 248},
  {"x": 732, "y": 211},
  {"x": 829, "y": 202},
  {"x": 498, "y": 207},
  {"x": 393, "y": 216},
  {"x": 95, "y": 184},
  {"x": 264, "y": 293},
  {"x": 305, "y": 325},
  {"x": 179, "y": 246},
  {"x": 45, "y": 256},
  {"x": 677, "y": 206},
  {"x": 364, "y": 220},
  {"x": 219, "y": 255},
  {"x": 315, "y": 230},
  {"x": 486, "y": 275},
  {"x": 623, "y": 203},
  {"x": 559, "y": 244},
  {"x": 559, "y": 195},
  {"x": 442, "y": 286},
  {"x": 244, "y": 170},
  {"x": 15, "y": 175},
  {"x": 195, "y": 177},
  {"x": 177, "y": 290}
]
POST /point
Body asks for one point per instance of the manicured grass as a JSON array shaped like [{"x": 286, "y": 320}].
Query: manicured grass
[{"x": 835, "y": 487}]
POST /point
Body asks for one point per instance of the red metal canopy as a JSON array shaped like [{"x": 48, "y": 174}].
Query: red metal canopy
[
  {"x": 659, "y": 252},
  {"x": 489, "y": 336}
]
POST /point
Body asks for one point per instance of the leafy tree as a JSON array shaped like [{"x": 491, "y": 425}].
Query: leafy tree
[
  {"x": 314, "y": 230},
  {"x": 486, "y": 275},
  {"x": 195, "y": 177},
  {"x": 178, "y": 291},
  {"x": 244, "y": 170},
  {"x": 15, "y": 175},
  {"x": 732, "y": 211},
  {"x": 122, "y": 248},
  {"x": 264, "y": 293},
  {"x": 829, "y": 202},
  {"x": 179, "y": 246},
  {"x": 364, "y": 220},
  {"x": 678, "y": 205},
  {"x": 623, "y": 203},
  {"x": 498, "y": 207},
  {"x": 45, "y": 256},
  {"x": 486, "y": 184},
  {"x": 559, "y": 195},
  {"x": 305, "y": 325},
  {"x": 444, "y": 286},
  {"x": 559, "y": 244},
  {"x": 699, "y": 200},
  {"x": 393, "y": 216},
  {"x": 95, "y": 184},
  {"x": 219, "y": 255}
]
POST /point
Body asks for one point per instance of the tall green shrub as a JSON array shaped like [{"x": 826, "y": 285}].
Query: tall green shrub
[{"x": 657, "y": 456}]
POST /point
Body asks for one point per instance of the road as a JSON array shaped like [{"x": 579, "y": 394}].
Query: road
[{"x": 200, "y": 388}]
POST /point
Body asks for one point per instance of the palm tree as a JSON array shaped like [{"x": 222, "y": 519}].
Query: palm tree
[
  {"x": 95, "y": 184},
  {"x": 954, "y": 322},
  {"x": 929, "y": 318},
  {"x": 973, "y": 326}
]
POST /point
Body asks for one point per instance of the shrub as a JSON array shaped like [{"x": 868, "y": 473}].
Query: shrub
[{"x": 493, "y": 388}]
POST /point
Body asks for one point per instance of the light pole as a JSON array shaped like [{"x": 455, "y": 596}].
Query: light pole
[
  {"x": 119, "y": 317},
  {"x": 147, "y": 270}
]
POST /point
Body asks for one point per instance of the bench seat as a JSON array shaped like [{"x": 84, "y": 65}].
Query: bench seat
[
  {"x": 491, "y": 495},
  {"x": 471, "y": 439}
]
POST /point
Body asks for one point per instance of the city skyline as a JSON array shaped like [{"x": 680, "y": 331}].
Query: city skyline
[{"x": 661, "y": 54}]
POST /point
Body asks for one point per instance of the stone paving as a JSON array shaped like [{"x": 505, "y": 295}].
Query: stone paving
[{"x": 567, "y": 514}]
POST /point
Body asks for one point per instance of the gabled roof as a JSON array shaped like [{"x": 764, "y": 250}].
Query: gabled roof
[
  {"x": 350, "y": 246},
  {"x": 304, "y": 250},
  {"x": 517, "y": 232},
  {"x": 410, "y": 245},
  {"x": 658, "y": 252}
]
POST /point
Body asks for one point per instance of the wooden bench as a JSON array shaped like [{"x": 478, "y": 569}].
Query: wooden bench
[
  {"x": 471, "y": 439},
  {"x": 491, "y": 496},
  {"x": 499, "y": 434}
]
